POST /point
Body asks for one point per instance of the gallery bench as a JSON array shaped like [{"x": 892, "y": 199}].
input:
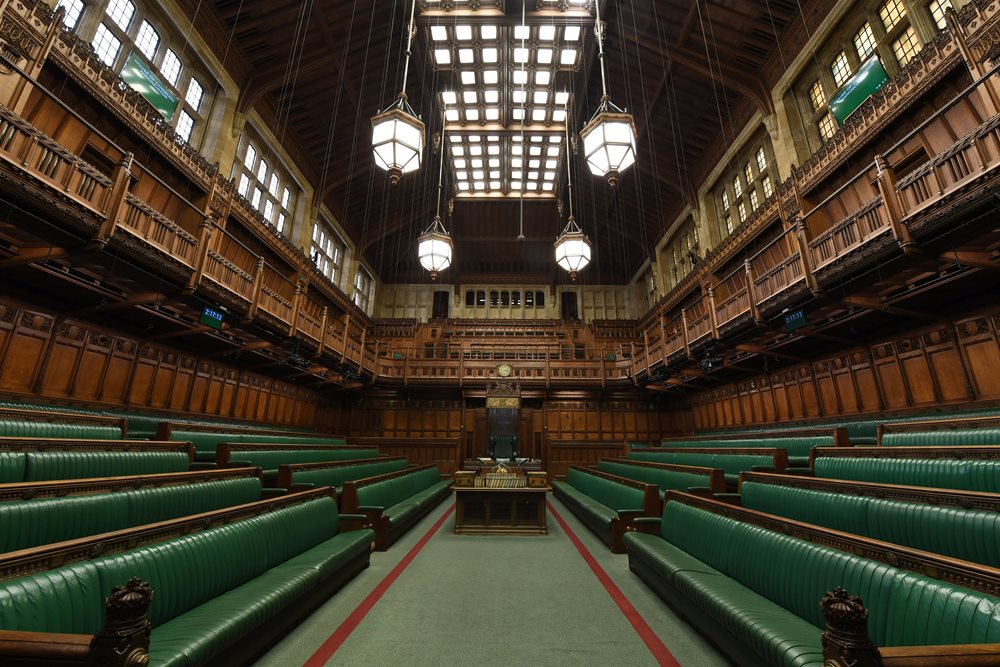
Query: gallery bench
[
  {"x": 37, "y": 513},
  {"x": 668, "y": 476},
  {"x": 731, "y": 461},
  {"x": 606, "y": 503},
  {"x": 960, "y": 524},
  {"x": 966, "y": 468},
  {"x": 300, "y": 476},
  {"x": 36, "y": 459},
  {"x": 395, "y": 501},
  {"x": 753, "y": 582},
  {"x": 228, "y": 583}
]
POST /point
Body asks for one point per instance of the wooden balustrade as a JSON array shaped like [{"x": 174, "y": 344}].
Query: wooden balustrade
[
  {"x": 699, "y": 320},
  {"x": 26, "y": 148},
  {"x": 310, "y": 318},
  {"x": 857, "y": 230},
  {"x": 156, "y": 229},
  {"x": 732, "y": 307},
  {"x": 232, "y": 265},
  {"x": 777, "y": 267},
  {"x": 276, "y": 294}
]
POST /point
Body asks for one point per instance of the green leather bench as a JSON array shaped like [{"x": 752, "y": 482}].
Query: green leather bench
[
  {"x": 965, "y": 468},
  {"x": 268, "y": 457},
  {"x": 942, "y": 438},
  {"x": 30, "y": 428},
  {"x": 606, "y": 503},
  {"x": 960, "y": 525},
  {"x": 37, "y": 459},
  {"x": 755, "y": 590},
  {"x": 797, "y": 447},
  {"x": 36, "y": 513},
  {"x": 233, "y": 582},
  {"x": 667, "y": 476},
  {"x": 731, "y": 461},
  {"x": 207, "y": 442},
  {"x": 394, "y": 501},
  {"x": 300, "y": 476}
]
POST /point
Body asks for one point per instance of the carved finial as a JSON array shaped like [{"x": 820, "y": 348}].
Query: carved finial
[
  {"x": 124, "y": 638},
  {"x": 846, "y": 642}
]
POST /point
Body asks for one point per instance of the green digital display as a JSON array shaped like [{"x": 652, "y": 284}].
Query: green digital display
[
  {"x": 870, "y": 77},
  {"x": 795, "y": 320},
  {"x": 211, "y": 317},
  {"x": 147, "y": 83}
]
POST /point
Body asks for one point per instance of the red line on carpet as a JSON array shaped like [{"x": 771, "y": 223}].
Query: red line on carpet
[
  {"x": 340, "y": 635},
  {"x": 662, "y": 654}
]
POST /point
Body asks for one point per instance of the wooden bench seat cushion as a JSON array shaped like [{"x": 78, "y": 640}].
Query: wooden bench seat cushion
[
  {"x": 336, "y": 477},
  {"x": 591, "y": 511},
  {"x": 30, "y": 523},
  {"x": 270, "y": 459},
  {"x": 966, "y": 474},
  {"x": 664, "y": 479},
  {"x": 419, "y": 503},
  {"x": 737, "y": 574},
  {"x": 967, "y": 534},
  {"x": 212, "y": 587},
  {"x": 731, "y": 464},
  {"x": 24, "y": 428}
]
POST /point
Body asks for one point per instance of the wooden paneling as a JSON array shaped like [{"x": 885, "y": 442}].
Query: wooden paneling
[
  {"x": 42, "y": 356},
  {"x": 560, "y": 455},
  {"x": 445, "y": 453},
  {"x": 944, "y": 364}
]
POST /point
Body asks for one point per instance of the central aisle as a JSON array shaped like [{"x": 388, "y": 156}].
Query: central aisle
[{"x": 491, "y": 600}]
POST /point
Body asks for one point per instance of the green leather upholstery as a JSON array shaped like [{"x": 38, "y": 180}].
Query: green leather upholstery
[
  {"x": 597, "y": 501},
  {"x": 945, "y": 438},
  {"x": 967, "y": 534},
  {"x": 12, "y": 466},
  {"x": 269, "y": 460},
  {"x": 30, "y": 523},
  {"x": 797, "y": 447},
  {"x": 969, "y": 475},
  {"x": 664, "y": 479},
  {"x": 52, "y": 464},
  {"x": 731, "y": 464},
  {"x": 24, "y": 428},
  {"x": 404, "y": 496},
  {"x": 336, "y": 477},
  {"x": 212, "y": 588},
  {"x": 737, "y": 576},
  {"x": 206, "y": 442}
]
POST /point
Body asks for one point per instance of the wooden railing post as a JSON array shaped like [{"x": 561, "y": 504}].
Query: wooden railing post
[
  {"x": 890, "y": 200},
  {"x": 805, "y": 256},
  {"x": 684, "y": 332},
  {"x": 663, "y": 339},
  {"x": 33, "y": 67},
  {"x": 204, "y": 245},
  {"x": 845, "y": 641},
  {"x": 116, "y": 201},
  {"x": 751, "y": 291},
  {"x": 322, "y": 329},
  {"x": 713, "y": 316},
  {"x": 300, "y": 293},
  {"x": 989, "y": 91},
  {"x": 258, "y": 283}
]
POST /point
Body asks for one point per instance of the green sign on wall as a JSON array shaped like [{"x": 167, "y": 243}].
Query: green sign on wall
[
  {"x": 870, "y": 77},
  {"x": 145, "y": 81}
]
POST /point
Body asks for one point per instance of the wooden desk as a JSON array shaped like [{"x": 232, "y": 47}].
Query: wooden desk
[{"x": 480, "y": 510}]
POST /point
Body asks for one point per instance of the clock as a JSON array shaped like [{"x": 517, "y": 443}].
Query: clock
[{"x": 504, "y": 370}]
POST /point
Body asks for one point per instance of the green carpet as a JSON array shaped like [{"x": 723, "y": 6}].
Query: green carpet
[{"x": 495, "y": 600}]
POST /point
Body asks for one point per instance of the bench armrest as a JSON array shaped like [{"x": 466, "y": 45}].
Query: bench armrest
[
  {"x": 731, "y": 498},
  {"x": 349, "y": 522},
  {"x": 45, "y": 646},
  {"x": 371, "y": 508},
  {"x": 202, "y": 465},
  {"x": 764, "y": 469},
  {"x": 301, "y": 486},
  {"x": 702, "y": 491},
  {"x": 646, "y": 524},
  {"x": 961, "y": 655},
  {"x": 269, "y": 493},
  {"x": 801, "y": 472},
  {"x": 630, "y": 515}
]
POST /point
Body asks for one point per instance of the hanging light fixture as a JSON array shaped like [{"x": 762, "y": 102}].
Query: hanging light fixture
[
  {"x": 434, "y": 246},
  {"x": 609, "y": 136},
  {"x": 572, "y": 246},
  {"x": 397, "y": 132}
]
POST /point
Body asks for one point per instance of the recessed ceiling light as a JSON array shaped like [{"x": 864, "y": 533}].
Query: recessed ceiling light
[
  {"x": 522, "y": 32},
  {"x": 542, "y": 77},
  {"x": 547, "y": 33},
  {"x": 449, "y": 97},
  {"x": 488, "y": 31},
  {"x": 562, "y": 98},
  {"x": 492, "y": 113},
  {"x": 469, "y": 78},
  {"x": 442, "y": 56},
  {"x": 541, "y": 97},
  {"x": 567, "y": 57},
  {"x": 439, "y": 33},
  {"x": 521, "y": 55},
  {"x": 466, "y": 56},
  {"x": 463, "y": 32},
  {"x": 490, "y": 76},
  {"x": 469, "y": 96},
  {"x": 544, "y": 56},
  {"x": 490, "y": 55},
  {"x": 472, "y": 114},
  {"x": 451, "y": 115},
  {"x": 571, "y": 33},
  {"x": 491, "y": 96}
]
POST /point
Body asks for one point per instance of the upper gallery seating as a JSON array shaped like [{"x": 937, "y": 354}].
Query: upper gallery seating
[
  {"x": 752, "y": 581},
  {"x": 606, "y": 503},
  {"x": 968, "y": 468},
  {"x": 36, "y": 513},
  {"x": 269, "y": 456},
  {"x": 731, "y": 461},
  {"x": 960, "y": 525},
  {"x": 230, "y": 583},
  {"x": 36, "y": 459},
  {"x": 393, "y": 502},
  {"x": 667, "y": 476}
]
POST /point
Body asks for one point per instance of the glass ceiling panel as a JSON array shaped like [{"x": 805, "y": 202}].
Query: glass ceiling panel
[{"x": 502, "y": 82}]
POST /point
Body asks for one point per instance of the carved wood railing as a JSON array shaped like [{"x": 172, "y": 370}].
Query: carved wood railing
[
  {"x": 699, "y": 320},
  {"x": 858, "y": 229},
  {"x": 776, "y": 267},
  {"x": 276, "y": 294},
  {"x": 156, "y": 229},
  {"x": 310, "y": 318},
  {"x": 232, "y": 265},
  {"x": 732, "y": 307}
]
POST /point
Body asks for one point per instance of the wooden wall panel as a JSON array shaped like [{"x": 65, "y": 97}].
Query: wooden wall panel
[
  {"x": 943, "y": 364},
  {"x": 71, "y": 360}
]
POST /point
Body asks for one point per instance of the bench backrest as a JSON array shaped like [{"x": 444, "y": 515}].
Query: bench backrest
[
  {"x": 732, "y": 464},
  {"x": 336, "y": 475},
  {"x": 967, "y": 474},
  {"x": 270, "y": 459},
  {"x": 29, "y": 523},
  {"x": 28, "y": 428},
  {"x": 187, "y": 571},
  {"x": 31, "y": 466},
  {"x": 904, "y": 608},
  {"x": 942, "y": 438},
  {"x": 393, "y": 488},
  {"x": 674, "y": 477},
  {"x": 795, "y": 446},
  {"x": 207, "y": 441},
  {"x": 607, "y": 492},
  {"x": 968, "y": 534}
]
